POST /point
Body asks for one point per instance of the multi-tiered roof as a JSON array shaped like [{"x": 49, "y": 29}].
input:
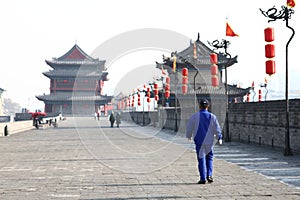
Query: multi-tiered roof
[
  {"x": 73, "y": 67},
  {"x": 196, "y": 57}
]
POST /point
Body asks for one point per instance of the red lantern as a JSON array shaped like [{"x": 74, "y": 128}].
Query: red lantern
[
  {"x": 139, "y": 99},
  {"x": 214, "y": 69},
  {"x": 184, "y": 89},
  {"x": 148, "y": 92},
  {"x": 270, "y": 50},
  {"x": 214, "y": 81},
  {"x": 185, "y": 80},
  {"x": 270, "y": 67},
  {"x": 213, "y": 58},
  {"x": 168, "y": 80},
  {"x": 167, "y": 94},
  {"x": 156, "y": 97},
  {"x": 248, "y": 97},
  {"x": 167, "y": 87},
  {"x": 269, "y": 34},
  {"x": 155, "y": 85},
  {"x": 156, "y": 91},
  {"x": 185, "y": 71},
  {"x": 259, "y": 95},
  {"x": 148, "y": 99}
]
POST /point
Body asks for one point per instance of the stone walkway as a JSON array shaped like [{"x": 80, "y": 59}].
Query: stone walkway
[{"x": 86, "y": 159}]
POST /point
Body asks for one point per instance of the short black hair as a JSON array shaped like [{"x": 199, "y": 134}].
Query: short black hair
[{"x": 204, "y": 103}]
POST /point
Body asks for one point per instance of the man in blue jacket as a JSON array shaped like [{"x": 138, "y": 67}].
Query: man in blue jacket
[{"x": 203, "y": 126}]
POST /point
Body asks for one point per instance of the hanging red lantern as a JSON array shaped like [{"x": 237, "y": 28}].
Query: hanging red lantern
[
  {"x": 155, "y": 86},
  {"x": 184, "y": 89},
  {"x": 148, "y": 92},
  {"x": 215, "y": 81},
  {"x": 214, "y": 69},
  {"x": 139, "y": 99},
  {"x": 168, "y": 80},
  {"x": 185, "y": 80},
  {"x": 167, "y": 94},
  {"x": 148, "y": 99},
  {"x": 270, "y": 50},
  {"x": 270, "y": 67},
  {"x": 156, "y": 97},
  {"x": 155, "y": 91},
  {"x": 213, "y": 58},
  {"x": 259, "y": 95},
  {"x": 167, "y": 87},
  {"x": 185, "y": 71},
  {"x": 269, "y": 34}
]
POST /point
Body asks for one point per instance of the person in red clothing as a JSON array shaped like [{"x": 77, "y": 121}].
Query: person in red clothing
[{"x": 202, "y": 127}]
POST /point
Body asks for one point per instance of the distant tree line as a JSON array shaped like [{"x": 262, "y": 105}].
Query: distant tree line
[{"x": 10, "y": 107}]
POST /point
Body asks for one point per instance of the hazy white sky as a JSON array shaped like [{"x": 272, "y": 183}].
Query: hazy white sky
[{"x": 35, "y": 30}]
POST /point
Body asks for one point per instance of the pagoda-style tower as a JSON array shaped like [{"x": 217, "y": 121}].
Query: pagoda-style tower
[
  {"x": 196, "y": 57},
  {"x": 76, "y": 82}
]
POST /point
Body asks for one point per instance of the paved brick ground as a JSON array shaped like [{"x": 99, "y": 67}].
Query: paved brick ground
[{"x": 86, "y": 159}]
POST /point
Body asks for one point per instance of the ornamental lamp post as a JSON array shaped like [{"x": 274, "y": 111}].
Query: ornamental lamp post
[
  {"x": 224, "y": 45},
  {"x": 285, "y": 14}
]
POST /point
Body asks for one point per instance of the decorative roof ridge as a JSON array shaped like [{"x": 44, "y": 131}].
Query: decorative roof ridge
[{"x": 82, "y": 55}]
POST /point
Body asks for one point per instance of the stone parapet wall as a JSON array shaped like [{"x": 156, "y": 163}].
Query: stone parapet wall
[
  {"x": 254, "y": 122},
  {"x": 265, "y": 123},
  {"x": 15, "y": 127}
]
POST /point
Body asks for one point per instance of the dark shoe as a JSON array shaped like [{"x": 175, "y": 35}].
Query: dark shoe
[
  {"x": 210, "y": 179},
  {"x": 201, "y": 182}
]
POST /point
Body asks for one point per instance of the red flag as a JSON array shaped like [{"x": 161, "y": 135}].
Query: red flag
[
  {"x": 290, "y": 3},
  {"x": 229, "y": 31}
]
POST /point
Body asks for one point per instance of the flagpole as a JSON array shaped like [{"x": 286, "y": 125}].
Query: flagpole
[{"x": 228, "y": 138}]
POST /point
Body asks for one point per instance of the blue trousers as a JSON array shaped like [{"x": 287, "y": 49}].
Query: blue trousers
[{"x": 205, "y": 160}]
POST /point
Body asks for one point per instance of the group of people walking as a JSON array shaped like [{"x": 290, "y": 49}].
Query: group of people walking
[{"x": 113, "y": 119}]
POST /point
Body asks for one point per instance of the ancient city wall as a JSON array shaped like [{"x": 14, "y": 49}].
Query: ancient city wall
[
  {"x": 264, "y": 123},
  {"x": 254, "y": 122}
]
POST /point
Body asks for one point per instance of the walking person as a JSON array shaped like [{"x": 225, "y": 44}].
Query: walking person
[
  {"x": 118, "y": 119},
  {"x": 112, "y": 120},
  {"x": 203, "y": 126}
]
